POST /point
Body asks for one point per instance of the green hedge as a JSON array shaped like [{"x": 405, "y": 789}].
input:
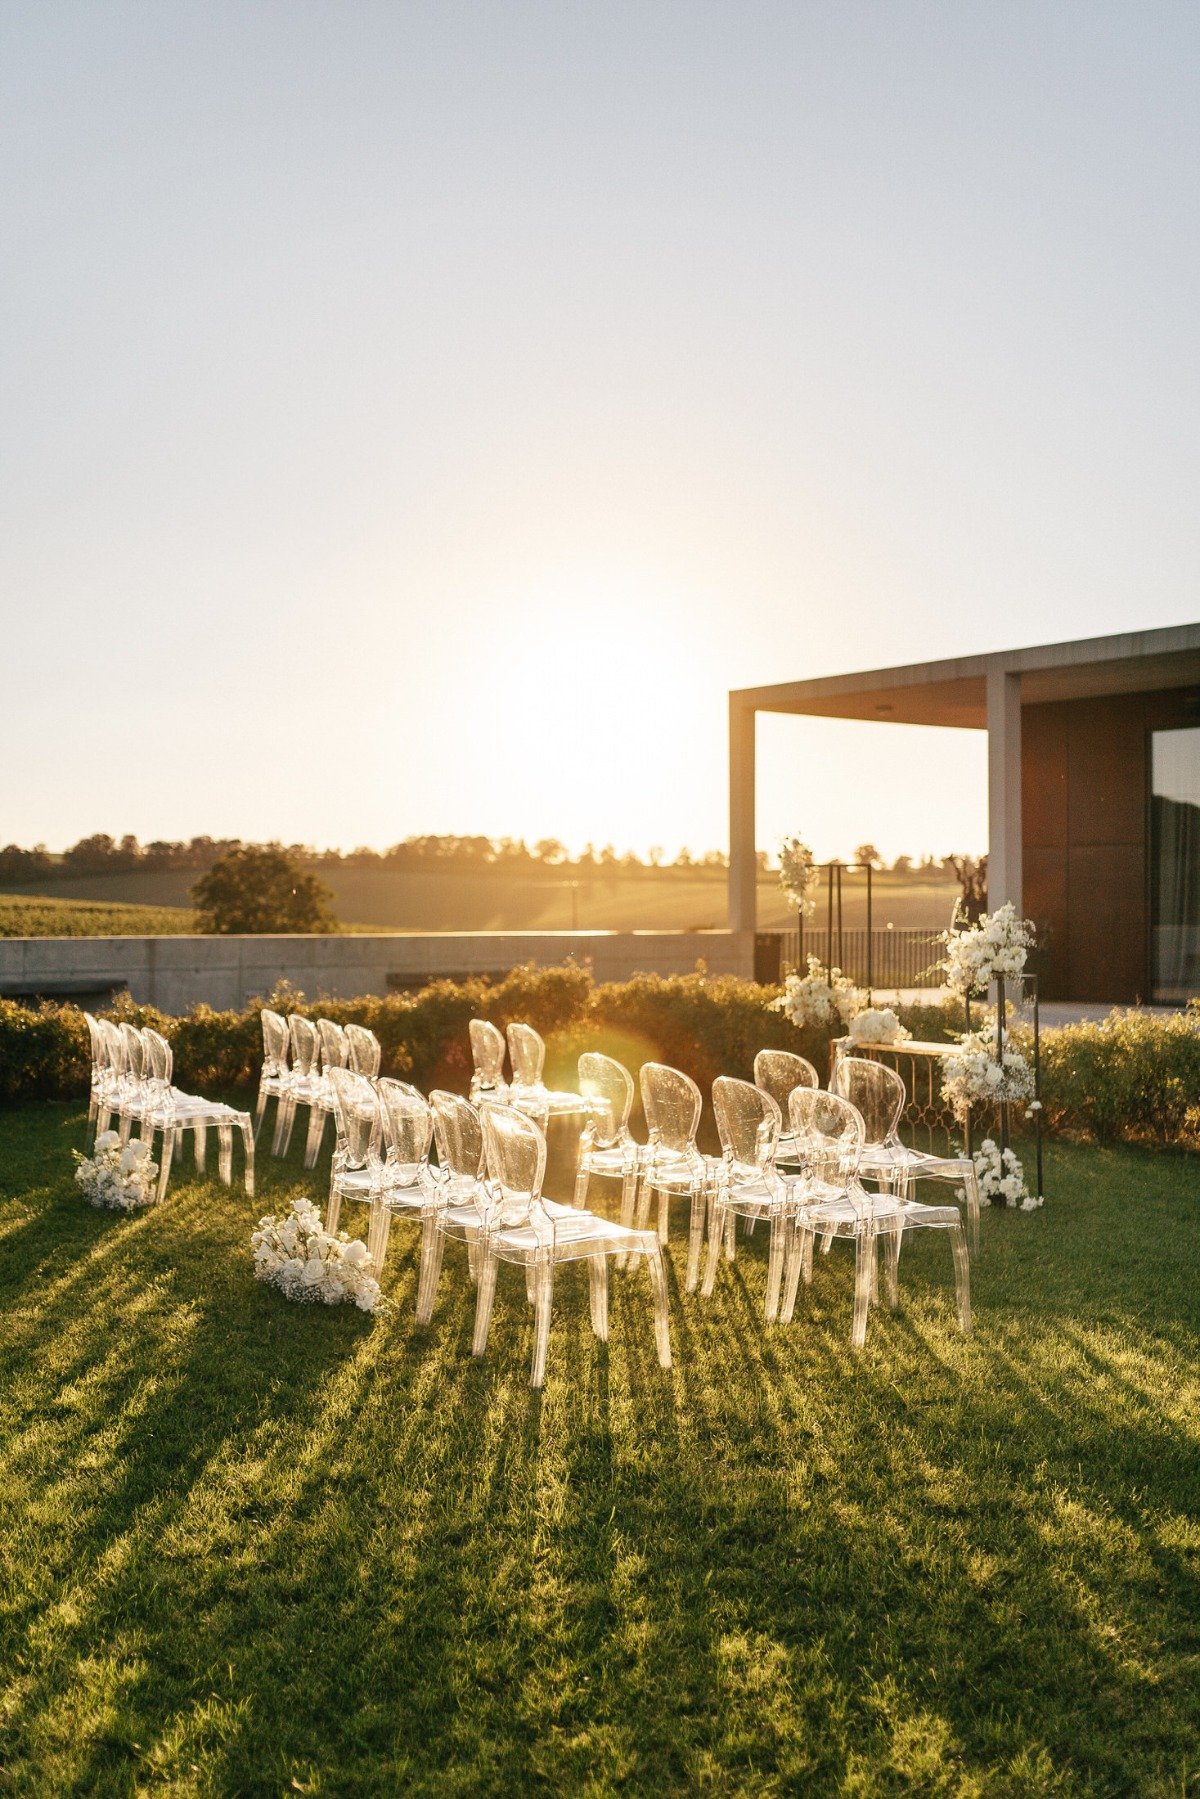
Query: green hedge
[{"x": 1136, "y": 1076}]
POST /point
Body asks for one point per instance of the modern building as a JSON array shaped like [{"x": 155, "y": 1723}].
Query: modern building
[{"x": 1093, "y": 795}]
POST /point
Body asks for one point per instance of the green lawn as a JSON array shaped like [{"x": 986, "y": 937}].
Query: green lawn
[{"x": 254, "y": 1548}]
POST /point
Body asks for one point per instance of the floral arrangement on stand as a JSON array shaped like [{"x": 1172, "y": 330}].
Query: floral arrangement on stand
[
  {"x": 307, "y": 1264},
  {"x": 118, "y": 1176},
  {"x": 824, "y": 996},
  {"x": 973, "y": 1074},
  {"x": 878, "y": 1024},
  {"x": 796, "y": 874},
  {"x": 996, "y": 947},
  {"x": 1001, "y": 1176}
]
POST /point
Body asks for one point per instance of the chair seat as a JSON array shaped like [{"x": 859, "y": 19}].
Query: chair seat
[
  {"x": 614, "y": 1160},
  {"x": 679, "y": 1175},
  {"x": 355, "y": 1183},
  {"x": 545, "y": 1100},
  {"x": 885, "y": 1158},
  {"x": 581, "y": 1232}
]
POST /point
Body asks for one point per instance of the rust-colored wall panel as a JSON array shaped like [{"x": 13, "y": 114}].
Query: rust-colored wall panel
[
  {"x": 1106, "y": 921},
  {"x": 1043, "y": 777},
  {"x": 1106, "y": 770},
  {"x": 1046, "y": 904}
]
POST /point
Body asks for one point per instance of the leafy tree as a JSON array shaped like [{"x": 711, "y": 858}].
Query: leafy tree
[
  {"x": 258, "y": 889},
  {"x": 972, "y": 882},
  {"x": 902, "y": 865},
  {"x": 869, "y": 855}
]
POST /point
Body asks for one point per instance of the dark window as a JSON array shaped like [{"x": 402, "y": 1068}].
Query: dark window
[{"x": 1175, "y": 865}]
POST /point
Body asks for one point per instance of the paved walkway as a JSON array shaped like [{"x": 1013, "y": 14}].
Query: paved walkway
[{"x": 1052, "y": 1011}]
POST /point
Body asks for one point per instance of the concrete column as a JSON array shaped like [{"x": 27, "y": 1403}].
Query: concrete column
[
  {"x": 1004, "y": 789},
  {"x": 743, "y": 869}
]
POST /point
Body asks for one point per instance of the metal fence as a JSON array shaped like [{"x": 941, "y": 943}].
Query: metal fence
[{"x": 895, "y": 958}]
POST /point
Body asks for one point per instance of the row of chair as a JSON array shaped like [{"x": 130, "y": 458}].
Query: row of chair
[
  {"x": 298, "y": 1054},
  {"x": 485, "y": 1190},
  {"x": 131, "y": 1081}
]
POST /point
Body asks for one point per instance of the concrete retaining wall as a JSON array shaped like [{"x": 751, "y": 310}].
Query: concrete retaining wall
[{"x": 176, "y": 973}]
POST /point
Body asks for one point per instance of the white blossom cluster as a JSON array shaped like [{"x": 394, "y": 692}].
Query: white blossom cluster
[
  {"x": 973, "y": 1074},
  {"x": 796, "y": 873},
  {"x": 997, "y": 945},
  {"x": 1002, "y": 1176},
  {"x": 121, "y": 1177},
  {"x": 297, "y": 1255},
  {"x": 824, "y": 996},
  {"x": 878, "y": 1024}
]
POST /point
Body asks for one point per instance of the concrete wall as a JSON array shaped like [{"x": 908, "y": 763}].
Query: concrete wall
[{"x": 176, "y": 973}]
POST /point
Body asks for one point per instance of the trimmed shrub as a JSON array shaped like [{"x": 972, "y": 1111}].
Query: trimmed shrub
[{"x": 1135, "y": 1076}]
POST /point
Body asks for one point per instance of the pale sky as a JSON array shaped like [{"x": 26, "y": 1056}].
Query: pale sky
[{"x": 415, "y": 417}]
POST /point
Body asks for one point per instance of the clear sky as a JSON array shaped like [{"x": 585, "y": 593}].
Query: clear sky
[{"x": 416, "y": 416}]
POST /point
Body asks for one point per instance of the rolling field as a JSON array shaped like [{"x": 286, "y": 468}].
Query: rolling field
[{"x": 387, "y": 899}]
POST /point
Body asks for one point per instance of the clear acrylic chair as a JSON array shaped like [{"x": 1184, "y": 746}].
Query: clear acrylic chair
[
  {"x": 102, "y": 1074},
  {"x": 523, "y": 1228},
  {"x": 357, "y": 1157},
  {"x": 172, "y": 1112},
  {"x": 133, "y": 1090},
  {"x": 672, "y": 1164},
  {"x": 880, "y": 1095},
  {"x": 487, "y": 1058},
  {"x": 606, "y": 1146},
  {"x": 365, "y": 1054},
  {"x": 832, "y": 1202},
  {"x": 304, "y": 1080},
  {"x": 113, "y": 1087},
  {"x": 528, "y": 1091},
  {"x": 461, "y": 1198},
  {"x": 778, "y": 1072},
  {"x": 748, "y": 1184},
  {"x": 334, "y": 1053},
  {"x": 408, "y": 1186},
  {"x": 275, "y": 1077}
]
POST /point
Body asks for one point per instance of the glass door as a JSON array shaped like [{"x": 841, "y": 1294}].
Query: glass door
[{"x": 1175, "y": 865}]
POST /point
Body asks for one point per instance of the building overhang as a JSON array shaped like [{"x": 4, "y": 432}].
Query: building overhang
[{"x": 954, "y": 692}]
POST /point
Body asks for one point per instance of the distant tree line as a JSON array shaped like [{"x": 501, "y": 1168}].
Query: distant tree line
[{"x": 102, "y": 854}]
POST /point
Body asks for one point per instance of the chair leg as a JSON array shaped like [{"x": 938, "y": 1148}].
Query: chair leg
[
  {"x": 225, "y": 1154},
  {"x": 971, "y": 1185},
  {"x": 775, "y": 1266},
  {"x": 714, "y": 1249},
  {"x": 248, "y": 1141},
  {"x": 164, "y": 1164},
  {"x": 696, "y": 1236},
  {"x": 892, "y": 1241},
  {"x": 433, "y": 1243},
  {"x": 333, "y": 1210},
  {"x": 200, "y": 1146},
  {"x": 797, "y": 1242},
  {"x": 662, "y": 1314},
  {"x": 260, "y": 1110},
  {"x": 285, "y": 1113},
  {"x": 582, "y": 1174},
  {"x": 731, "y": 1235},
  {"x": 541, "y": 1324},
  {"x": 124, "y": 1125},
  {"x": 864, "y": 1266},
  {"x": 664, "y": 1215},
  {"x": 962, "y": 1278},
  {"x": 598, "y": 1295},
  {"x": 316, "y": 1134},
  {"x": 484, "y": 1296},
  {"x": 382, "y": 1230}
]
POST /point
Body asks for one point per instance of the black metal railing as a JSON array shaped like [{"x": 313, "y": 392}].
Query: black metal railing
[{"x": 889, "y": 958}]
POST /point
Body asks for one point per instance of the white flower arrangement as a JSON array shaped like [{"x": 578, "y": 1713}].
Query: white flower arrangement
[
  {"x": 823, "y": 996},
  {"x": 1001, "y": 1176},
  {"x": 118, "y": 1176},
  {"x": 796, "y": 874},
  {"x": 973, "y": 1074},
  {"x": 976, "y": 954},
  {"x": 878, "y": 1024},
  {"x": 301, "y": 1258}
]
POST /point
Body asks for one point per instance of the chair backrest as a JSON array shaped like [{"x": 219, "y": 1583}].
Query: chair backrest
[
  {"x": 458, "y": 1133},
  {"x": 158, "y": 1058},
  {"x": 356, "y": 1117},
  {"x": 829, "y": 1134},
  {"x": 487, "y": 1053},
  {"x": 305, "y": 1042},
  {"x": 527, "y": 1053},
  {"x": 115, "y": 1044},
  {"x": 407, "y": 1128},
  {"x": 672, "y": 1103},
  {"x": 514, "y": 1148},
  {"x": 276, "y": 1042},
  {"x": 607, "y": 1085},
  {"x": 748, "y": 1121},
  {"x": 365, "y": 1054},
  {"x": 98, "y": 1045},
  {"x": 335, "y": 1049},
  {"x": 135, "y": 1051},
  {"x": 779, "y": 1071},
  {"x": 876, "y": 1090}
]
